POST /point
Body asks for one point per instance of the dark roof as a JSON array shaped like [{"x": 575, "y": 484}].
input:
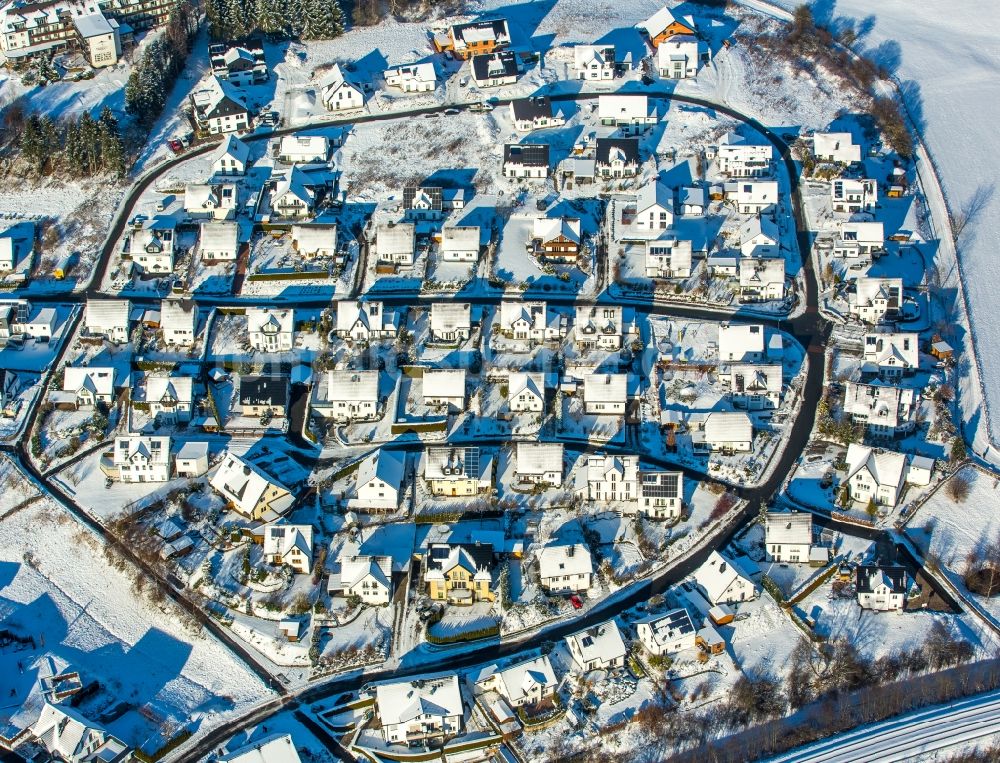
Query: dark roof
[
  {"x": 537, "y": 107},
  {"x": 264, "y": 390},
  {"x": 499, "y": 27},
  {"x": 410, "y": 192},
  {"x": 660, "y": 484},
  {"x": 481, "y": 553},
  {"x": 628, "y": 146},
  {"x": 529, "y": 154},
  {"x": 489, "y": 65},
  {"x": 870, "y": 575}
]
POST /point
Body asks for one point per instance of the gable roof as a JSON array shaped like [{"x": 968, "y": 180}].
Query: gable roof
[
  {"x": 388, "y": 466},
  {"x": 788, "y": 527},
  {"x": 885, "y": 466},
  {"x": 264, "y": 390},
  {"x": 539, "y": 457},
  {"x": 717, "y": 574},
  {"x": 530, "y": 109},
  {"x": 564, "y": 559},
  {"x": 721, "y": 426},
  {"x": 870, "y": 576},
  {"x": 447, "y": 317},
  {"x": 232, "y": 146},
  {"x": 519, "y": 382},
  {"x": 551, "y": 228},
  {"x": 667, "y": 627},
  {"x": 526, "y": 154},
  {"x": 610, "y": 149},
  {"x": 407, "y": 700},
  {"x": 501, "y": 63},
  {"x": 605, "y": 388},
  {"x": 600, "y": 642},
  {"x": 276, "y": 748},
  {"x": 663, "y": 18},
  {"x": 444, "y": 382},
  {"x": 349, "y": 385},
  {"x": 244, "y": 483}
]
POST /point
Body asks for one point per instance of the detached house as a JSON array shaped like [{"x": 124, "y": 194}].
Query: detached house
[
  {"x": 565, "y": 568},
  {"x": 457, "y": 471},
  {"x": 668, "y": 258},
  {"x": 525, "y": 392},
  {"x": 411, "y": 78},
  {"x": 263, "y": 396},
  {"x": 460, "y": 243},
  {"x": 250, "y": 491},
  {"x": 668, "y": 633},
  {"x": 678, "y": 57},
  {"x": 395, "y": 243},
  {"x": 423, "y": 202},
  {"x": 594, "y": 62},
  {"x": 459, "y": 574},
  {"x": 379, "y": 480},
  {"x": 365, "y": 321},
  {"x": 599, "y": 326},
  {"x": 727, "y": 432},
  {"x": 663, "y": 25},
  {"x": 605, "y": 394},
  {"x": 530, "y": 321},
  {"x": 654, "y": 208},
  {"x": 419, "y": 710},
  {"x": 219, "y": 242},
  {"x": 337, "y": 94},
  {"x": 151, "y": 245},
  {"x": 365, "y": 576},
  {"x": 293, "y": 195},
  {"x": 305, "y": 149},
  {"x": 886, "y": 411},
  {"x": 556, "y": 239},
  {"x": 170, "y": 398},
  {"x": 788, "y": 536},
  {"x": 661, "y": 495},
  {"x": 759, "y": 237},
  {"x": 597, "y": 648},
  {"x": 850, "y": 195},
  {"x": 68, "y": 736},
  {"x": 523, "y": 683},
  {"x": 450, "y": 321},
  {"x": 270, "y": 330},
  {"x": 741, "y": 343},
  {"x": 218, "y": 108},
  {"x": 86, "y": 386},
  {"x": 631, "y": 114},
  {"x": 241, "y": 66},
  {"x": 864, "y": 240},
  {"x": 444, "y": 387},
  {"x": 754, "y": 387},
  {"x": 752, "y": 197},
  {"x": 838, "y": 147},
  {"x": 534, "y": 113},
  {"x": 761, "y": 280},
  {"x": 739, "y": 158},
  {"x": 612, "y": 478},
  {"x": 891, "y": 355},
  {"x": 526, "y": 160},
  {"x": 475, "y": 37},
  {"x": 348, "y": 396},
  {"x": 879, "y": 475},
  {"x": 882, "y": 588},
  {"x": 317, "y": 241},
  {"x": 218, "y": 201},
  {"x": 231, "y": 157},
  {"x": 876, "y": 299},
  {"x": 179, "y": 321},
  {"x": 495, "y": 69},
  {"x": 142, "y": 459},
  {"x": 191, "y": 460},
  {"x": 617, "y": 157},
  {"x": 108, "y": 318},
  {"x": 290, "y": 545},
  {"x": 539, "y": 463},
  {"x": 723, "y": 581}
]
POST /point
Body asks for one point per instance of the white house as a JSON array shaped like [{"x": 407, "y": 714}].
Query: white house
[
  {"x": 600, "y": 647},
  {"x": 217, "y": 201},
  {"x": 142, "y": 459},
  {"x": 539, "y": 463},
  {"x": 667, "y": 257},
  {"x": 395, "y": 243},
  {"x": 692, "y": 200},
  {"x": 379, "y": 480},
  {"x": 752, "y": 386},
  {"x": 534, "y": 113},
  {"x": 631, "y": 114},
  {"x": 363, "y": 575},
  {"x": 612, "y": 478},
  {"x": 891, "y": 355},
  {"x": 759, "y": 237},
  {"x": 876, "y": 299},
  {"x": 728, "y": 432},
  {"x": 270, "y": 329},
  {"x": 460, "y": 243},
  {"x": 524, "y": 320},
  {"x": 741, "y": 342},
  {"x": 179, "y": 321},
  {"x": 740, "y": 158},
  {"x": 859, "y": 239},
  {"x": 444, "y": 387},
  {"x": 108, "y": 318},
  {"x": 151, "y": 245},
  {"x": 654, "y": 207},
  {"x": 337, "y": 94},
  {"x": 170, "y": 398},
  {"x": 879, "y": 475},
  {"x": 219, "y": 241},
  {"x": 411, "y": 78},
  {"x": 290, "y": 545},
  {"x": 880, "y": 587},
  {"x": 315, "y": 241},
  {"x": 348, "y": 396},
  {"x": 598, "y": 326},
  {"x": 723, "y": 581},
  {"x": 853, "y": 195},
  {"x": 70, "y": 737},
  {"x": 616, "y": 157},
  {"x": 678, "y": 57},
  {"x": 885, "y": 410},
  {"x": 422, "y": 708},
  {"x": 219, "y": 108},
  {"x": 605, "y": 394},
  {"x": 525, "y": 392},
  {"x": 249, "y": 490},
  {"x": 451, "y": 471},
  {"x": 667, "y": 633},
  {"x": 751, "y": 197},
  {"x": 761, "y": 280},
  {"x": 450, "y": 321},
  {"x": 495, "y": 69},
  {"x": 365, "y": 321},
  {"x": 293, "y": 194},
  {"x": 836, "y": 147},
  {"x": 274, "y": 748},
  {"x": 594, "y": 62},
  {"x": 191, "y": 460},
  {"x": 788, "y": 536},
  {"x": 85, "y": 386},
  {"x": 661, "y": 495},
  {"x": 305, "y": 149},
  {"x": 523, "y": 683},
  {"x": 565, "y": 568},
  {"x": 526, "y": 160},
  {"x": 231, "y": 157}
]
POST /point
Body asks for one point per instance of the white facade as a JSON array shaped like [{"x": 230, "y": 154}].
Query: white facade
[
  {"x": 668, "y": 257},
  {"x": 836, "y": 147},
  {"x": 677, "y": 57},
  {"x": 612, "y": 478},
  {"x": 594, "y": 62},
  {"x": 853, "y": 195},
  {"x": 337, "y": 94},
  {"x": 754, "y": 387},
  {"x": 411, "y": 78},
  {"x": 379, "y": 480},
  {"x": 667, "y": 634},
  {"x": 290, "y": 545},
  {"x": 740, "y": 159},
  {"x": 539, "y": 463},
  {"x": 395, "y": 243},
  {"x": 761, "y": 280},
  {"x": 605, "y": 394},
  {"x": 451, "y": 321},
  {"x": 365, "y": 321},
  {"x": 598, "y": 648},
  {"x": 419, "y": 709},
  {"x": 728, "y": 432},
  {"x": 305, "y": 149},
  {"x": 875, "y": 298},
  {"x": 886, "y": 411},
  {"x": 525, "y": 392},
  {"x": 788, "y": 536},
  {"x": 722, "y": 581},
  {"x": 741, "y": 342},
  {"x": 891, "y": 355},
  {"x": 350, "y": 396},
  {"x": 598, "y": 326},
  {"x": 270, "y": 330},
  {"x": 142, "y": 459},
  {"x": 219, "y": 241},
  {"x": 460, "y": 243},
  {"x": 108, "y": 318},
  {"x": 179, "y": 321},
  {"x": 565, "y": 568}
]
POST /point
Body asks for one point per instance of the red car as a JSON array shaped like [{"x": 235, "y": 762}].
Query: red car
[
  {"x": 576, "y": 602},
  {"x": 176, "y": 146}
]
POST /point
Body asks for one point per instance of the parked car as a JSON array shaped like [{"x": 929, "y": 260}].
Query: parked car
[{"x": 576, "y": 601}]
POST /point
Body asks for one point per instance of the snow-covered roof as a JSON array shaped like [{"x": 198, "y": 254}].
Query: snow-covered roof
[
  {"x": 539, "y": 457},
  {"x": 360, "y": 386},
  {"x": 723, "y": 427},
  {"x": 516, "y": 681},
  {"x": 447, "y": 317},
  {"x": 751, "y": 379},
  {"x": 886, "y": 467},
  {"x": 460, "y": 238},
  {"x": 418, "y": 72},
  {"x": 219, "y": 236},
  {"x": 663, "y": 18},
  {"x": 899, "y": 349},
  {"x": 793, "y": 527},
  {"x": 177, "y": 388},
  {"x": 869, "y": 289},
  {"x": 667, "y": 627},
  {"x": 519, "y": 382},
  {"x": 601, "y": 642},
  {"x": 105, "y": 314},
  {"x": 585, "y": 55},
  {"x": 551, "y": 228},
  {"x": 533, "y": 313},
  {"x": 654, "y": 193},
  {"x": 311, "y": 238},
  {"x": 244, "y": 483},
  {"x": 372, "y": 315},
  {"x": 296, "y": 183},
  {"x": 276, "y": 748},
  {"x": 717, "y": 574},
  {"x": 605, "y": 388},
  {"x": 452, "y": 463},
  {"x": 274, "y": 320},
  {"x": 192, "y": 451},
  {"x": 232, "y": 147},
  {"x": 862, "y": 232},
  {"x": 626, "y": 468},
  {"x": 152, "y": 450},
  {"x": 761, "y": 271},
  {"x": 305, "y": 147},
  {"x": 736, "y": 340},
  {"x": 396, "y": 238},
  {"x": 444, "y": 382},
  {"x": 880, "y": 404},
  {"x": 97, "y": 379},
  {"x": 355, "y": 567},
  {"x": 179, "y": 313},
  {"x": 407, "y": 701},
  {"x": 280, "y": 539},
  {"x": 564, "y": 559},
  {"x": 388, "y": 466}
]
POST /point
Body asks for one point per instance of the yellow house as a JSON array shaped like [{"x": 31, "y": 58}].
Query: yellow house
[{"x": 460, "y": 577}]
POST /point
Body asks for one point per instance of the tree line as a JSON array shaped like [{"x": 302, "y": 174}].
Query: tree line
[
  {"x": 78, "y": 147},
  {"x": 300, "y": 19}
]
